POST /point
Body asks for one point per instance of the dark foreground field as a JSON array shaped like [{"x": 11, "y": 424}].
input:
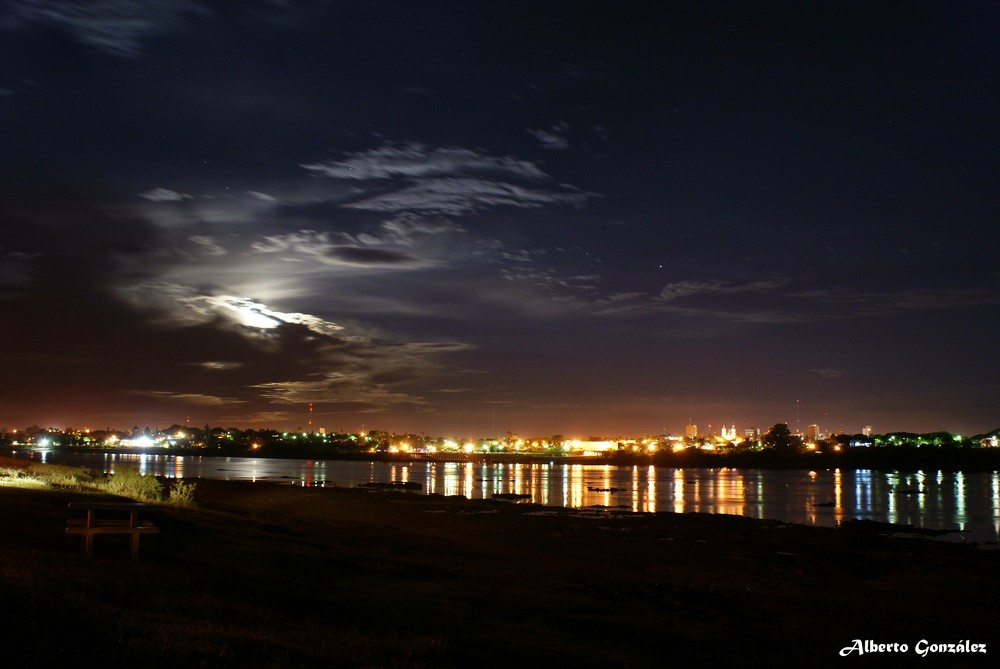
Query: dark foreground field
[{"x": 278, "y": 576}]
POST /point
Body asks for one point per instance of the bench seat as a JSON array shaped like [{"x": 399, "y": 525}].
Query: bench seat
[
  {"x": 113, "y": 529},
  {"x": 105, "y": 522},
  {"x": 94, "y": 523}
]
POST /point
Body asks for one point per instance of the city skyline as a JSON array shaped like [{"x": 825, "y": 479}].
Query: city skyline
[
  {"x": 726, "y": 431},
  {"x": 461, "y": 218}
]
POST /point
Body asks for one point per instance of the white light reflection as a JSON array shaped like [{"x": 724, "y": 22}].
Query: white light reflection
[
  {"x": 838, "y": 492},
  {"x": 651, "y": 490},
  {"x": 635, "y": 489},
  {"x": 678, "y": 497},
  {"x": 960, "y": 498},
  {"x": 995, "y": 509},
  {"x": 543, "y": 483},
  {"x": 758, "y": 493},
  {"x": 863, "y": 490},
  {"x": 892, "y": 481},
  {"x": 921, "y": 497},
  {"x": 577, "y": 486},
  {"x": 430, "y": 481},
  {"x": 737, "y": 493}
]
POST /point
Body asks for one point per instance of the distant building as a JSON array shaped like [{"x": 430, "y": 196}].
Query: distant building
[
  {"x": 812, "y": 432},
  {"x": 594, "y": 447},
  {"x": 690, "y": 430},
  {"x": 752, "y": 433},
  {"x": 867, "y": 431}
]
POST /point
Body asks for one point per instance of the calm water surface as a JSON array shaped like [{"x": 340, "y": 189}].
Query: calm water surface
[{"x": 966, "y": 502}]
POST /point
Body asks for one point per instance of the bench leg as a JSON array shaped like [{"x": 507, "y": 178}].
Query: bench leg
[
  {"x": 134, "y": 544},
  {"x": 88, "y": 544}
]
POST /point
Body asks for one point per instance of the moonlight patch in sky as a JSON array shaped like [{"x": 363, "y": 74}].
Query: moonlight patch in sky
[{"x": 584, "y": 219}]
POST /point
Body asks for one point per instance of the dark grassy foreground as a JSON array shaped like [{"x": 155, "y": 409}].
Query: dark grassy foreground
[{"x": 278, "y": 576}]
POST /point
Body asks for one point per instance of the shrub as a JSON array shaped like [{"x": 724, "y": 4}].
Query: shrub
[
  {"x": 128, "y": 482},
  {"x": 182, "y": 493}
]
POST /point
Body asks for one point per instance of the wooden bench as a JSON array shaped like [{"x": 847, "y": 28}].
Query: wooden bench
[{"x": 109, "y": 518}]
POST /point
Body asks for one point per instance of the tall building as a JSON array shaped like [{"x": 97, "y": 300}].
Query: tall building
[
  {"x": 867, "y": 431},
  {"x": 690, "y": 430},
  {"x": 812, "y": 432}
]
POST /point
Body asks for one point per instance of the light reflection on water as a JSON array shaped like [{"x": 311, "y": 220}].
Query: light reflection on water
[{"x": 964, "y": 501}]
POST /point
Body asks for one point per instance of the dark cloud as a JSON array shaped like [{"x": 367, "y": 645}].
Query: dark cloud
[
  {"x": 43, "y": 221},
  {"x": 85, "y": 285},
  {"x": 368, "y": 256}
]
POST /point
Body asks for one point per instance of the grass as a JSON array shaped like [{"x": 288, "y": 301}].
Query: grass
[
  {"x": 24, "y": 474},
  {"x": 278, "y": 576},
  {"x": 126, "y": 482},
  {"x": 10, "y": 476}
]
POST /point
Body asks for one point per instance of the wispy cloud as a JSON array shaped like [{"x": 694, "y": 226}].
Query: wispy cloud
[
  {"x": 261, "y": 196},
  {"x": 851, "y": 301},
  {"x": 207, "y": 246},
  {"x": 164, "y": 195},
  {"x": 682, "y": 289},
  {"x": 449, "y": 181},
  {"x": 691, "y": 305},
  {"x": 219, "y": 365},
  {"x": 553, "y": 138},
  {"x": 348, "y": 391},
  {"x": 366, "y": 387},
  {"x": 117, "y": 27},
  {"x": 189, "y": 398},
  {"x": 329, "y": 248},
  {"x": 457, "y": 196},
  {"x": 419, "y": 161},
  {"x": 551, "y": 279},
  {"x": 828, "y": 373}
]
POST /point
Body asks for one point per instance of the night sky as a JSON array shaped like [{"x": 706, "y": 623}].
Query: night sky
[{"x": 463, "y": 218}]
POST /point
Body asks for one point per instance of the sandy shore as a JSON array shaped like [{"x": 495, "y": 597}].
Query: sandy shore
[{"x": 271, "y": 575}]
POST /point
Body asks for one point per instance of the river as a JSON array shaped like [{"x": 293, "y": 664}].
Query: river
[{"x": 966, "y": 503}]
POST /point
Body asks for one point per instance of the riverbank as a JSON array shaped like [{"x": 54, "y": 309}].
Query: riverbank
[
  {"x": 282, "y": 576},
  {"x": 881, "y": 459}
]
